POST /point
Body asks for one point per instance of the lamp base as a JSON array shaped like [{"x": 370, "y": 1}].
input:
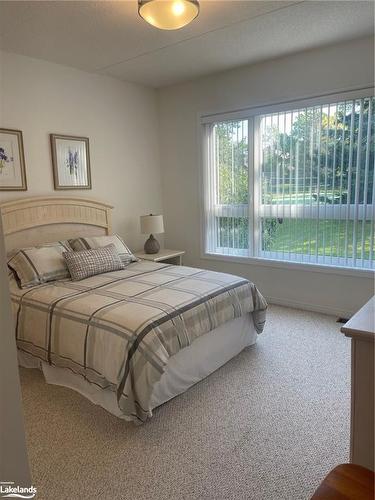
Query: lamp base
[{"x": 151, "y": 245}]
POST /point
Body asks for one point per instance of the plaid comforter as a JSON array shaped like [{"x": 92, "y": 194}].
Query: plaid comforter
[{"x": 119, "y": 329}]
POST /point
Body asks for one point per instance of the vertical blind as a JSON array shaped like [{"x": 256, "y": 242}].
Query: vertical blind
[
  {"x": 228, "y": 191},
  {"x": 295, "y": 185}
]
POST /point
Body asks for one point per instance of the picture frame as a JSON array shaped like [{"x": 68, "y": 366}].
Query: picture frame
[
  {"x": 12, "y": 161},
  {"x": 70, "y": 162}
]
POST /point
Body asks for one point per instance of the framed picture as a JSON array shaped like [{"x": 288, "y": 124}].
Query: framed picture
[
  {"x": 12, "y": 161},
  {"x": 71, "y": 162}
]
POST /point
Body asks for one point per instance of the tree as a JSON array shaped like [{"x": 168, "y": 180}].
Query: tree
[
  {"x": 320, "y": 149},
  {"x": 231, "y": 144}
]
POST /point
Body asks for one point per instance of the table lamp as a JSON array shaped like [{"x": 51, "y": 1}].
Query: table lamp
[{"x": 152, "y": 224}]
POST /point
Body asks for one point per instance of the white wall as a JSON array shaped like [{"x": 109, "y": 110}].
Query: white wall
[
  {"x": 13, "y": 454},
  {"x": 309, "y": 73},
  {"x": 119, "y": 118},
  {"x": 14, "y": 464}
]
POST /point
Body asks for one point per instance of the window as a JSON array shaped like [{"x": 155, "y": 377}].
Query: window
[
  {"x": 228, "y": 222},
  {"x": 295, "y": 185}
]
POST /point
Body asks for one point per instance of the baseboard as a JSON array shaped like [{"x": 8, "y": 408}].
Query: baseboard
[{"x": 310, "y": 307}]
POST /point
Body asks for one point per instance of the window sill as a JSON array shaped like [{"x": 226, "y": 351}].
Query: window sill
[{"x": 308, "y": 267}]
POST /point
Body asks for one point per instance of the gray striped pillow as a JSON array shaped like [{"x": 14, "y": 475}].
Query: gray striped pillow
[
  {"x": 94, "y": 242},
  {"x": 86, "y": 263},
  {"x": 35, "y": 265}
]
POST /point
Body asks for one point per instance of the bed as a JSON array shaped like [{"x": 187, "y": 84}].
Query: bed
[{"x": 128, "y": 340}]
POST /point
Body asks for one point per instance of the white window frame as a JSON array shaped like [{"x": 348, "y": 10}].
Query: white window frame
[{"x": 252, "y": 114}]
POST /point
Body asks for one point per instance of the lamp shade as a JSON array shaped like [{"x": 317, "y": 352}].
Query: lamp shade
[
  {"x": 168, "y": 14},
  {"x": 152, "y": 224}
]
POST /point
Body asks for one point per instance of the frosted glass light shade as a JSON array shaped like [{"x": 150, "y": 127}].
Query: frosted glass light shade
[
  {"x": 152, "y": 224},
  {"x": 168, "y": 14}
]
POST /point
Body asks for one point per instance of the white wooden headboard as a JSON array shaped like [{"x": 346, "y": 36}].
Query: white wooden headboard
[{"x": 31, "y": 221}]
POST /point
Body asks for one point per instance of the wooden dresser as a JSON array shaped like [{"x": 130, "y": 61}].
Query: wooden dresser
[{"x": 361, "y": 329}]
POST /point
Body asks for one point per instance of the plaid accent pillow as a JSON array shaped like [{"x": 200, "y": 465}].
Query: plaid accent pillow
[
  {"x": 93, "y": 242},
  {"x": 85, "y": 263},
  {"x": 35, "y": 265}
]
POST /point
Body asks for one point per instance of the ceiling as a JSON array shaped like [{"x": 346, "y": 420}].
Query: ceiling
[{"x": 108, "y": 37}]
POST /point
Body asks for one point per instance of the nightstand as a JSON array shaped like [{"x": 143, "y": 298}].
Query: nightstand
[{"x": 164, "y": 255}]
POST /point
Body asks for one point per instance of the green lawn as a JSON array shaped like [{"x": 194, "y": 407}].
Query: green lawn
[{"x": 309, "y": 237}]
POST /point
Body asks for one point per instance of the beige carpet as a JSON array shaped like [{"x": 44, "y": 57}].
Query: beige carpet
[{"x": 268, "y": 425}]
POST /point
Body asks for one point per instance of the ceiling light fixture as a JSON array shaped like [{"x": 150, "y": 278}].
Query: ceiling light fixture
[{"x": 168, "y": 14}]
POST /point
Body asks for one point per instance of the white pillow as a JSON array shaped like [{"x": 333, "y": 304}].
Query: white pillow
[
  {"x": 35, "y": 265},
  {"x": 94, "y": 242}
]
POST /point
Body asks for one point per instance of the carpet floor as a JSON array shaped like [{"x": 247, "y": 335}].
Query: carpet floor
[{"x": 266, "y": 426}]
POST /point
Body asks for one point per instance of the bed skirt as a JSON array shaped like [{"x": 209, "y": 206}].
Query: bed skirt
[{"x": 188, "y": 367}]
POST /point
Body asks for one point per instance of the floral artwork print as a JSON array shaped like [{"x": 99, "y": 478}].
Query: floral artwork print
[
  {"x": 4, "y": 159},
  {"x": 12, "y": 161},
  {"x": 72, "y": 162}
]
